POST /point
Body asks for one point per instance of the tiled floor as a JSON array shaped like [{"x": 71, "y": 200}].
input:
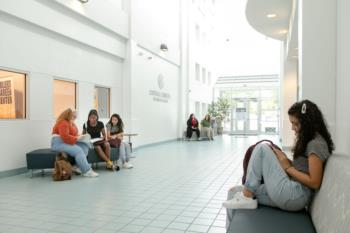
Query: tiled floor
[{"x": 174, "y": 187}]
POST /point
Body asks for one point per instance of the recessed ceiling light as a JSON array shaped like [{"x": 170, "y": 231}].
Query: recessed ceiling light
[
  {"x": 284, "y": 31},
  {"x": 270, "y": 16}
]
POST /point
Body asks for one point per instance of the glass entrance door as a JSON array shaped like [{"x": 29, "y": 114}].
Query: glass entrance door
[{"x": 245, "y": 116}]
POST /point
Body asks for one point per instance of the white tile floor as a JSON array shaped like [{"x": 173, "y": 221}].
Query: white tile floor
[{"x": 174, "y": 187}]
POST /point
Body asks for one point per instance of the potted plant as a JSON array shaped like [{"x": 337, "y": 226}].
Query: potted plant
[{"x": 219, "y": 111}]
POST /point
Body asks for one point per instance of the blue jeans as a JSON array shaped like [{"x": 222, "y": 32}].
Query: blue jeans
[
  {"x": 124, "y": 151},
  {"x": 79, "y": 151},
  {"x": 278, "y": 189}
]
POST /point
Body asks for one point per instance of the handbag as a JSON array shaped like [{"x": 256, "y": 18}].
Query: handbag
[
  {"x": 63, "y": 169},
  {"x": 115, "y": 142}
]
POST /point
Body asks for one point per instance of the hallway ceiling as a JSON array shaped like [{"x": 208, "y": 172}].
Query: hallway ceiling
[{"x": 277, "y": 24}]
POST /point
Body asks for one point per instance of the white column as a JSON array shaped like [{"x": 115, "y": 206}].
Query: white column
[
  {"x": 343, "y": 79},
  {"x": 127, "y": 74},
  {"x": 317, "y": 55},
  {"x": 288, "y": 98},
  {"x": 184, "y": 67}
]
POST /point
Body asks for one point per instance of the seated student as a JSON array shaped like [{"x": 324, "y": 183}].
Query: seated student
[
  {"x": 94, "y": 127},
  {"x": 192, "y": 125},
  {"x": 206, "y": 127},
  {"x": 115, "y": 132},
  {"x": 65, "y": 139},
  {"x": 288, "y": 185}
]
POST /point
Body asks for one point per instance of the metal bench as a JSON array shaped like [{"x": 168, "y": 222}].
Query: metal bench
[{"x": 45, "y": 158}]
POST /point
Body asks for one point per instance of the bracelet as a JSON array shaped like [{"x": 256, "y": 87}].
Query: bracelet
[{"x": 288, "y": 168}]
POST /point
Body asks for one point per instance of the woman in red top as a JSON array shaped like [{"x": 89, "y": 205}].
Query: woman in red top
[
  {"x": 192, "y": 125},
  {"x": 65, "y": 138}
]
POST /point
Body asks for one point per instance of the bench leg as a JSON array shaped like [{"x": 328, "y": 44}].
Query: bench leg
[
  {"x": 32, "y": 171},
  {"x": 42, "y": 172}
]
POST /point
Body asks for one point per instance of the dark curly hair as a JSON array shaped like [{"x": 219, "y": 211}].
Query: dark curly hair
[
  {"x": 311, "y": 122},
  {"x": 120, "y": 123}
]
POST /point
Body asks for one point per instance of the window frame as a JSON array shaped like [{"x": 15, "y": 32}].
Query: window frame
[
  {"x": 75, "y": 92},
  {"x": 109, "y": 99},
  {"x": 25, "y": 102}
]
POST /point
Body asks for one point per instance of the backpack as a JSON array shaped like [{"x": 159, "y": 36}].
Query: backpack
[
  {"x": 63, "y": 169},
  {"x": 247, "y": 156}
]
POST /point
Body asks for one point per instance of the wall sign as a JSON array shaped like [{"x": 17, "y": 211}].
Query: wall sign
[
  {"x": 7, "y": 98},
  {"x": 160, "y": 96}
]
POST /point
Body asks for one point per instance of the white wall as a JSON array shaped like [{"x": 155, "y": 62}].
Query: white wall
[
  {"x": 152, "y": 23},
  {"x": 343, "y": 78},
  {"x": 155, "y": 22},
  {"x": 317, "y": 59},
  {"x": 201, "y": 51},
  {"x": 289, "y": 85},
  {"x": 65, "y": 45},
  {"x": 153, "y": 121}
]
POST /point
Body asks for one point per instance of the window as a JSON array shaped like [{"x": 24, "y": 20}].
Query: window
[
  {"x": 197, "y": 109},
  {"x": 204, "y": 110},
  {"x": 64, "y": 96},
  {"x": 209, "y": 78},
  {"x": 198, "y": 72},
  {"x": 101, "y": 101},
  {"x": 204, "y": 75},
  {"x": 204, "y": 39},
  {"x": 198, "y": 34},
  {"x": 12, "y": 95}
]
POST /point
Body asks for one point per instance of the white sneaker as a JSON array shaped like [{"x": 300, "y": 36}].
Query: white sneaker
[
  {"x": 90, "y": 174},
  {"x": 239, "y": 201},
  {"x": 76, "y": 170},
  {"x": 127, "y": 165}
]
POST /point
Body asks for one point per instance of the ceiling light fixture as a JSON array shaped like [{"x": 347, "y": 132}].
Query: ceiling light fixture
[
  {"x": 83, "y": 1},
  {"x": 270, "y": 16},
  {"x": 164, "y": 47},
  {"x": 284, "y": 31}
]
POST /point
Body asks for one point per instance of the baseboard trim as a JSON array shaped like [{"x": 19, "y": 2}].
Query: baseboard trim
[
  {"x": 22, "y": 170},
  {"x": 155, "y": 144},
  {"x": 13, "y": 172}
]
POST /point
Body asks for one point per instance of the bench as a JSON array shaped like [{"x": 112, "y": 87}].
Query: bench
[
  {"x": 45, "y": 158},
  {"x": 202, "y": 135},
  {"x": 329, "y": 211}
]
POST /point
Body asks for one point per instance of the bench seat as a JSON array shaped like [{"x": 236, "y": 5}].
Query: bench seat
[
  {"x": 329, "y": 211},
  {"x": 45, "y": 158},
  {"x": 270, "y": 220}
]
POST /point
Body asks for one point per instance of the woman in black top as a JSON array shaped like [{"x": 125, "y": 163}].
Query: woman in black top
[
  {"x": 192, "y": 125},
  {"x": 94, "y": 127}
]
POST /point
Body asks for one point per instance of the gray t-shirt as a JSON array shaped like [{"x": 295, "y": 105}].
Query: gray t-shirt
[
  {"x": 317, "y": 146},
  {"x": 113, "y": 129}
]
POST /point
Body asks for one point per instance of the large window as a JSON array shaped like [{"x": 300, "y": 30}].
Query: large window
[
  {"x": 198, "y": 34},
  {"x": 198, "y": 72},
  {"x": 204, "y": 75},
  {"x": 64, "y": 96},
  {"x": 101, "y": 101},
  {"x": 209, "y": 78},
  {"x": 12, "y": 95}
]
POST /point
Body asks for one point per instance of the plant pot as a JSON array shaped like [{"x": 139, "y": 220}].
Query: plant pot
[{"x": 220, "y": 129}]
